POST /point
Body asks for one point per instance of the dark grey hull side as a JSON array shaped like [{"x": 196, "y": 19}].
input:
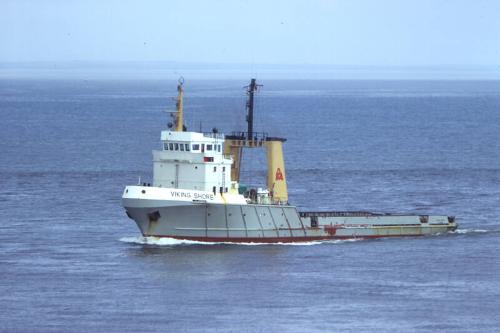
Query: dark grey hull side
[{"x": 269, "y": 223}]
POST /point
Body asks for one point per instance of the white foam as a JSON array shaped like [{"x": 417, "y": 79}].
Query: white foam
[
  {"x": 166, "y": 241},
  {"x": 468, "y": 231},
  {"x": 162, "y": 241}
]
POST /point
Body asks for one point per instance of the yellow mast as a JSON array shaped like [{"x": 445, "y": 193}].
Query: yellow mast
[{"x": 179, "y": 119}]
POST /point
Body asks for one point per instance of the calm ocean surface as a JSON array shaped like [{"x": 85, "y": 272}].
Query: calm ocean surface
[{"x": 71, "y": 261}]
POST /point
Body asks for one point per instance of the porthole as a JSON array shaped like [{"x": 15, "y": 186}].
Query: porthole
[{"x": 143, "y": 191}]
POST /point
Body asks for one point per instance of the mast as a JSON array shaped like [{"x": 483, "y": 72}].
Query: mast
[
  {"x": 251, "y": 89},
  {"x": 179, "y": 119},
  {"x": 234, "y": 144}
]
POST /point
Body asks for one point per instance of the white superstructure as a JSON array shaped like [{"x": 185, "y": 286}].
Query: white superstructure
[{"x": 192, "y": 161}]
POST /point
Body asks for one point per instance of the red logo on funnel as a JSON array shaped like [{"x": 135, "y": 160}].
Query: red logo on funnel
[{"x": 279, "y": 174}]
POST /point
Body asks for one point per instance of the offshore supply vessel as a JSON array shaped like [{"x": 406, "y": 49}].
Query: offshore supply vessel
[{"x": 196, "y": 194}]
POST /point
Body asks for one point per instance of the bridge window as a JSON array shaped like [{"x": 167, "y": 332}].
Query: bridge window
[
  {"x": 196, "y": 147},
  {"x": 209, "y": 147},
  {"x": 170, "y": 146},
  {"x": 182, "y": 146},
  {"x": 176, "y": 146},
  {"x": 187, "y": 146},
  {"x": 165, "y": 146}
]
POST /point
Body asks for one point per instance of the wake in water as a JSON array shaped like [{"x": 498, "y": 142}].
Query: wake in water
[
  {"x": 165, "y": 241},
  {"x": 469, "y": 231}
]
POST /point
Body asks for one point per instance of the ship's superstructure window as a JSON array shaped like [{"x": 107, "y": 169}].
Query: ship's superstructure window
[
  {"x": 176, "y": 146},
  {"x": 202, "y": 147},
  {"x": 187, "y": 146},
  {"x": 196, "y": 147},
  {"x": 182, "y": 146},
  {"x": 165, "y": 146},
  {"x": 170, "y": 146},
  {"x": 209, "y": 147},
  {"x": 218, "y": 148},
  {"x": 215, "y": 169}
]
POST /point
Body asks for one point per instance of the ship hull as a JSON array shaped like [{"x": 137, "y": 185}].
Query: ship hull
[{"x": 252, "y": 223}]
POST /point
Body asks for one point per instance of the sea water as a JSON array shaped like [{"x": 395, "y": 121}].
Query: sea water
[{"x": 71, "y": 260}]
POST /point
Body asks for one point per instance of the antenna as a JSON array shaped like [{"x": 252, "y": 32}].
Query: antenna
[{"x": 251, "y": 89}]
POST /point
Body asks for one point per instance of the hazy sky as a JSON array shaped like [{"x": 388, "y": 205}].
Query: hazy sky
[{"x": 356, "y": 32}]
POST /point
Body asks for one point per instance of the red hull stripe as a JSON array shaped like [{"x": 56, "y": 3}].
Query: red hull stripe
[{"x": 272, "y": 239}]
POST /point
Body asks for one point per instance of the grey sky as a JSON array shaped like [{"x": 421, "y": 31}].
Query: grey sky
[{"x": 356, "y": 32}]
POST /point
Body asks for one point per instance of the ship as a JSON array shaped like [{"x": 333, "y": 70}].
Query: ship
[{"x": 196, "y": 193}]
